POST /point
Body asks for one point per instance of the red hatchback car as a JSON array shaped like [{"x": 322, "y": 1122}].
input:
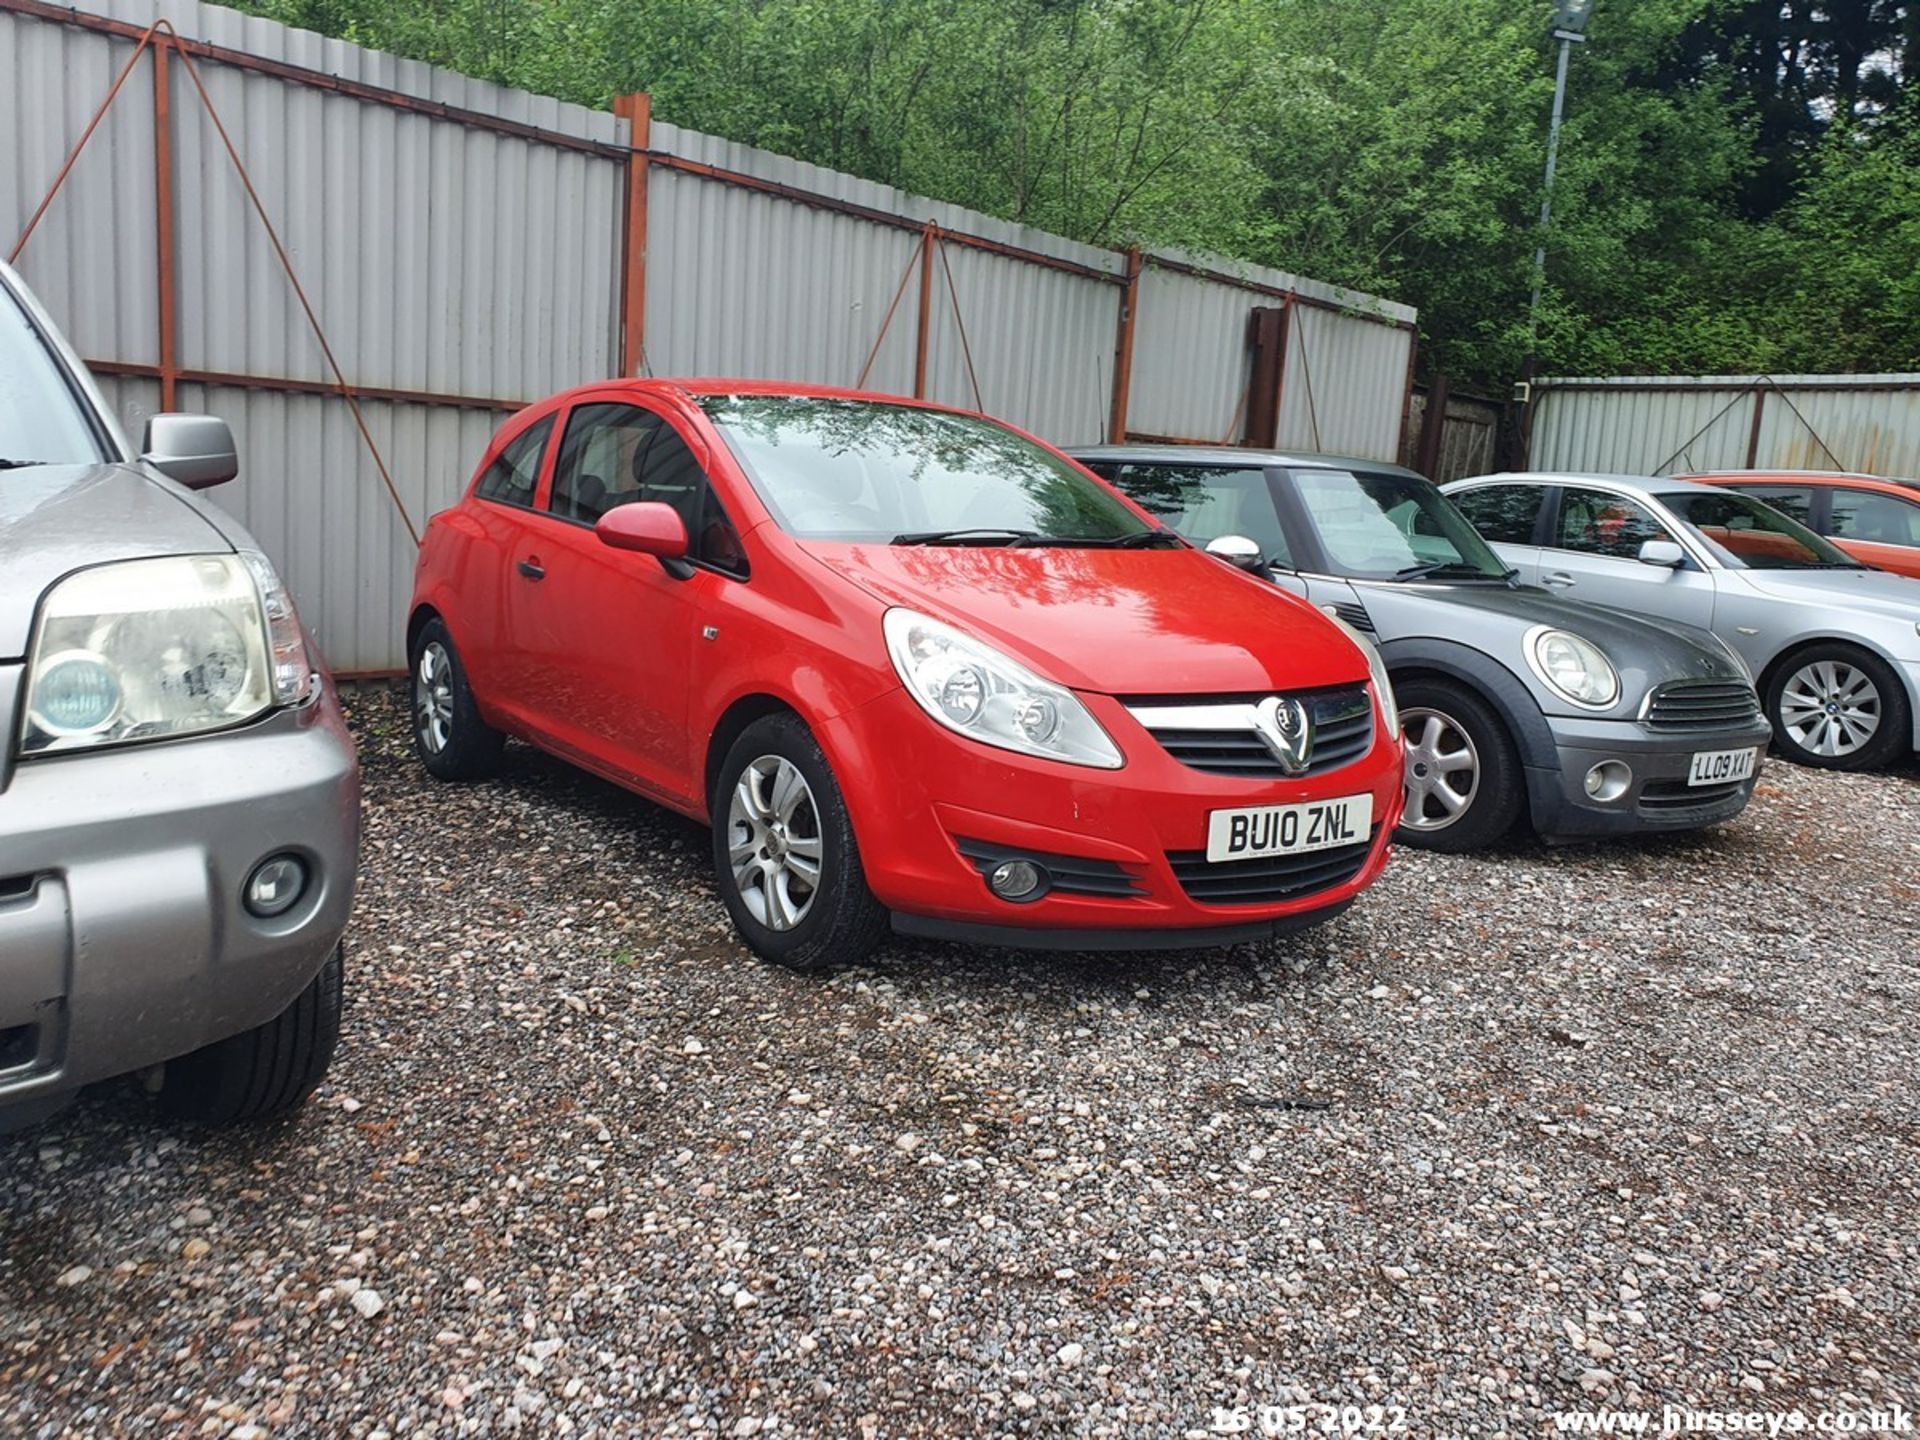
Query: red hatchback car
[{"x": 912, "y": 666}]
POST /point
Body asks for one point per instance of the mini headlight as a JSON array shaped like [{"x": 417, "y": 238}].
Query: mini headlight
[
  {"x": 974, "y": 690},
  {"x": 147, "y": 650},
  {"x": 1572, "y": 667}
]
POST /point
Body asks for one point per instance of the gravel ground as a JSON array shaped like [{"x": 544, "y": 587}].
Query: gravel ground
[{"x": 1626, "y": 1125}]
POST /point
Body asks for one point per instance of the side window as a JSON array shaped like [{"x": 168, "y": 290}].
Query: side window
[
  {"x": 1869, "y": 515},
  {"x": 599, "y": 464},
  {"x": 1593, "y": 522},
  {"x": 1204, "y": 502},
  {"x": 515, "y": 472},
  {"x": 1505, "y": 514},
  {"x": 1794, "y": 500},
  {"x": 670, "y": 473}
]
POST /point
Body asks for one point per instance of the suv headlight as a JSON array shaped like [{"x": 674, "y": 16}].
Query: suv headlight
[
  {"x": 1572, "y": 667},
  {"x": 152, "y": 649},
  {"x": 974, "y": 690},
  {"x": 1376, "y": 669}
]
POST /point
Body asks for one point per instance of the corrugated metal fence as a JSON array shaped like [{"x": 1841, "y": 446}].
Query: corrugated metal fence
[
  {"x": 1649, "y": 425},
  {"x": 469, "y": 248}
]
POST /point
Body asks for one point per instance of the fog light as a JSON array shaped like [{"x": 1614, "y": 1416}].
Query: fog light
[
  {"x": 1608, "y": 781},
  {"x": 1016, "y": 880},
  {"x": 276, "y": 885}
]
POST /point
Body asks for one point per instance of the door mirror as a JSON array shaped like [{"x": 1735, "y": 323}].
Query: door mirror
[
  {"x": 1238, "y": 551},
  {"x": 646, "y": 527},
  {"x": 1665, "y": 553},
  {"x": 196, "y": 450}
]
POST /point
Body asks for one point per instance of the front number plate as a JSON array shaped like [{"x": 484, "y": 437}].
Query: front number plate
[
  {"x": 1288, "y": 829},
  {"x": 1721, "y": 767}
]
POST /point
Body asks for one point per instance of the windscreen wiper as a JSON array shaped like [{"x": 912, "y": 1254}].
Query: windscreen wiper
[
  {"x": 1138, "y": 540},
  {"x": 1437, "y": 567},
  {"x": 6, "y": 464},
  {"x": 979, "y": 535}
]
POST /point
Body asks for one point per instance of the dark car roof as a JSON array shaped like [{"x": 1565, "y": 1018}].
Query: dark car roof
[{"x": 1233, "y": 455}]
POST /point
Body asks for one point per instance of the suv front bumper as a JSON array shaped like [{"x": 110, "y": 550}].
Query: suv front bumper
[
  {"x": 123, "y": 937},
  {"x": 1658, "y": 798}
]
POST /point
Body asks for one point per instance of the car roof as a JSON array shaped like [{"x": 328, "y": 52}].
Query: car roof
[
  {"x": 694, "y": 387},
  {"x": 1641, "y": 484},
  {"x": 1232, "y": 455},
  {"x": 1891, "y": 483}
]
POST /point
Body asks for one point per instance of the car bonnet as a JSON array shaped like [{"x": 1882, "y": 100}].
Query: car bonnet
[
  {"x": 55, "y": 519},
  {"x": 1117, "y": 622}
]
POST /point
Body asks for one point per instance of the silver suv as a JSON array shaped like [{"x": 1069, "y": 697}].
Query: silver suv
[{"x": 179, "y": 799}]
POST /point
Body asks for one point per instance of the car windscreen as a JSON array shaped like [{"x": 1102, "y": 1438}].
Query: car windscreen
[
  {"x": 1206, "y": 502},
  {"x": 1392, "y": 527},
  {"x": 1745, "y": 533},
  {"x": 42, "y": 421},
  {"x": 835, "y": 469}
]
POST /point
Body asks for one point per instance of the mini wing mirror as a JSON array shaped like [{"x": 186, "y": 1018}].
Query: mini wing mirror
[
  {"x": 1238, "y": 551},
  {"x": 196, "y": 450},
  {"x": 647, "y": 527},
  {"x": 1667, "y": 554}
]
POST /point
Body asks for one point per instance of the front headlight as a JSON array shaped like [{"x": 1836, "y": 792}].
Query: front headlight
[
  {"x": 1376, "y": 668},
  {"x": 1575, "y": 668},
  {"x": 151, "y": 649},
  {"x": 974, "y": 690}
]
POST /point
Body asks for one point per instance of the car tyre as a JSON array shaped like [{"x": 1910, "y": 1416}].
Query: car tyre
[
  {"x": 1458, "y": 749},
  {"x": 784, "y": 851},
  {"x": 266, "y": 1071},
  {"x": 1870, "y": 726},
  {"x": 449, "y": 736}
]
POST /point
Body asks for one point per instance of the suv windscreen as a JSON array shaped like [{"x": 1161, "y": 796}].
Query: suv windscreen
[
  {"x": 858, "y": 470},
  {"x": 1744, "y": 533},
  {"x": 1392, "y": 527},
  {"x": 42, "y": 421}
]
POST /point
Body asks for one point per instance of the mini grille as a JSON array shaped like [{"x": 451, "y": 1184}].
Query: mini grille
[
  {"x": 1269, "y": 881},
  {"x": 1711, "y": 705},
  {"x": 1228, "y": 745},
  {"x": 1670, "y": 797}
]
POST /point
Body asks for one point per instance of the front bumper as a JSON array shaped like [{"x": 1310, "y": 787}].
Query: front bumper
[
  {"x": 1658, "y": 798},
  {"x": 1132, "y": 840},
  {"x": 123, "y": 940}
]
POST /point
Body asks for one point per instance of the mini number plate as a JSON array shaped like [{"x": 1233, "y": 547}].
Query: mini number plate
[
  {"x": 1288, "y": 829},
  {"x": 1721, "y": 767}
]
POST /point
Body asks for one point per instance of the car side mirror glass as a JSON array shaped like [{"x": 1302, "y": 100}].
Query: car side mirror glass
[
  {"x": 196, "y": 450},
  {"x": 1667, "y": 554},
  {"x": 1238, "y": 551},
  {"x": 646, "y": 527}
]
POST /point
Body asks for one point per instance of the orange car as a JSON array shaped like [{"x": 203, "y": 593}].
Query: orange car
[{"x": 1876, "y": 521}]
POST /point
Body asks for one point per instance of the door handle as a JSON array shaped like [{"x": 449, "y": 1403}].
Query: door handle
[
  {"x": 1559, "y": 578},
  {"x": 530, "y": 567}
]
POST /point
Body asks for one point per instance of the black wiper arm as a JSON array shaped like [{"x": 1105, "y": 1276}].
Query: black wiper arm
[
  {"x": 6, "y": 464},
  {"x": 1420, "y": 572},
  {"x": 1139, "y": 540},
  {"x": 978, "y": 535}
]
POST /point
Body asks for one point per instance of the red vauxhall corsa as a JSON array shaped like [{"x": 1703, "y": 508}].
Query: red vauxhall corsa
[{"x": 912, "y": 666}]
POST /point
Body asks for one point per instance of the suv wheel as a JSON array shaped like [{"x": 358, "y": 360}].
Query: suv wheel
[
  {"x": 784, "y": 852},
  {"x": 1838, "y": 707},
  {"x": 449, "y": 736},
  {"x": 268, "y": 1070},
  {"x": 1463, "y": 773}
]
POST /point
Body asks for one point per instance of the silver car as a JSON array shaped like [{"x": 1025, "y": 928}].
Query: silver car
[
  {"x": 179, "y": 799},
  {"x": 1513, "y": 701},
  {"x": 1836, "y": 646}
]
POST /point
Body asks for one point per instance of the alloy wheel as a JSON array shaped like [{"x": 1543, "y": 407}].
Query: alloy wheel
[
  {"x": 774, "y": 842},
  {"x": 1443, "y": 769},
  {"x": 433, "y": 697},
  {"x": 1830, "y": 708}
]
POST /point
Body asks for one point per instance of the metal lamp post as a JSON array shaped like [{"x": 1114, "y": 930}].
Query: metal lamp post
[{"x": 1569, "y": 28}]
